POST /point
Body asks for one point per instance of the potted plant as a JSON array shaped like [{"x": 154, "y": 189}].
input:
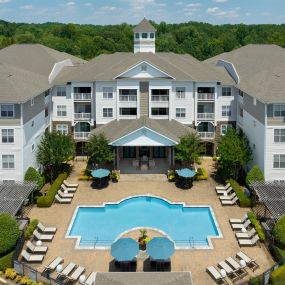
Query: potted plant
[
  {"x": 143, "y": 239},
  {"x": 171, "y": 175},
  {"x": 115, "y": 176}
]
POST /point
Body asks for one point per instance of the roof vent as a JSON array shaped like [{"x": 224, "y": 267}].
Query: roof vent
[{"x": 143, "y": 67}]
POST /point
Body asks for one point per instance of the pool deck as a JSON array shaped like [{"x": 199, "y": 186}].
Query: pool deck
[{"x": 196, "y": 261}]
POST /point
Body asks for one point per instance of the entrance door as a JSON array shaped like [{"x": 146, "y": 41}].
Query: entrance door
[
  {"x": 129, "y": 152},
  {"x": 159, "y": 152},
  {"x": 144, "y": 151}
]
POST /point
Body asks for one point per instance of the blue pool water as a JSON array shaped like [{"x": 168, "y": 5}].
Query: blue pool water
[{"x": 185, "y": 225}]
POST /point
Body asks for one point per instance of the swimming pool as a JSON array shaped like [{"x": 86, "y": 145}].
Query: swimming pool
[{"x": 100, "y": 226}]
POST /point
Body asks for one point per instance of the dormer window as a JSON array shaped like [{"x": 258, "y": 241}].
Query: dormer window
[
  {"x": 137, "y": 35},
  {"x": 144, "y": 35},
  {"x": 144, "y": 67},
  {"x": 151, "y": 35}
]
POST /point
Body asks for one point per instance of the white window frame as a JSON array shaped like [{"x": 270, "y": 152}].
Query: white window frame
[
  {"x": 180, "y": 112},
  {"x": 7, "y": 111},
  {"x": 107, "y": 93},
  {"x": 60, "y": 111},
  {"x": 274, "y": 110},
  {"x": 180, "y": 93},
  {"x": 32, "y": 102},
  {"x": 278, "y": 155},
  {"x": 9, "y": 156},
  {"x": 227, "y": 89},
  {"x": 7, "y": 136},
  {"x": 224, "y": 128},
  {"x": 279, "y": 135},
  {"x": 228, "y": 111},
  {"x": 62, "y": 91},
  {"x": 63, "y": 128},
  {"x": 107, "y": 109}
]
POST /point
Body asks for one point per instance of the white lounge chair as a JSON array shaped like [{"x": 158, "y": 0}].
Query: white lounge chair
[
  {"x": 230, "y": 272},
  {"x": 44, "y": 229},
  {"x": 76, "y": 274},
  {"x": 251, "y": 263},
  {"x": 241, "y": 226},
  {"x": 239, "y": 221},
  {"x": 64, "y": 195},
  {"x": 32, "y": 257},
  {"x": 91, "y": 279},
  {"x": 39, "y": 236},
  {"x": 36, "y": 249},
  {"x": 247, "y": 235},
  {"x": 220, "y": 187},
  {"x": 229, "y": 202},
  {"x": 236, "y": 266},
  {"x": 223, "y": 192},
  {"x": 67, "y": 270},
  {"x": 52, "y": 266},
  {"x": 64, "y": 188},
  {"x": 228, "y": 197},
  {"x": 249, "y": 242},
  {"x": 215, "y": 274},
  {"x": 70, "y": 185},
  {"x": 62, "y": 200}
]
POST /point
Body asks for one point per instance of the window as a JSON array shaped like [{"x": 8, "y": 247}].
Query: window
[
  {"x": 279, "y": 161},
  {"x": 240, "y": 93},
  {"x": 224, "y": 129},
  {"x": 61, "y": 111},
  {"x": 226, "y": 111},
  {"x": 7, "y": 111},
  {"x": 32, "y": 102},
  {"x": 8, "y": 161},
  {"x": 226, "y": 91},
  {"x": 144, "y": 35},
  {"x": 7, "y": 135},
  {"x": 46, "y": 112},
  {"x": 241, "y": 110},
  {"x": 33, "y": 147},
  {"x": 60, "y": 91},
  {"x": 151, "y": 35},
  {"x": 279, "y": 110},
  {"x": 129, "y": 95},
  {"x": 128, "y": 111},
  {"x": 33, "y": 123},
  {"x": 137, "y": 35},
  {"x": 143, "y": 67},
  {"x": 107, "y": 112},
  {"x": 180, "y": 92},
  {"x": 82, "y": 90},
  {"x": 8, "y": 181},
  {"x": 206, "y": 89},
  {"x": 180, "y": 112},
  {"x": 47, "y": 93},
  {"x": 160, "y": 95},
  {"x": 62, "y": 128},
  {"x": 279, "y": 135},
  {"x": 107, "y": 92},
  {"x": 159, "y": 111}
]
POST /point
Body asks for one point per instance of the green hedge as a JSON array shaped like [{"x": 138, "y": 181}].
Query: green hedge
[
  {"x": 30, "y": 229},
  {"x": 6, "y": 261},
  {"x": 33, "y": 175},
  {"x": 278, "y": 276},
  {"x": 46, "y": 201},
  {"x": 255, "y": 174},
  {"x": 252, "y": 217},
  {"x": 279, "y": 232},
  {"x": 201, "y": 174},
  {"x": 244, "y": 201}
]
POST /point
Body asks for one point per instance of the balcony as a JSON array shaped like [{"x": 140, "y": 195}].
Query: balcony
[
  {"x": 207, "y": 135},
  {"x": 205, "y": 116},
  {"x": 82, "y": 96},
  {"x": 82, "y": 116},
  {"x": 128, "y": 98},
  {"x": 205, "y": 96},
  {"x": 159, "y": 98},
  {"x": 81, "y": 135}
]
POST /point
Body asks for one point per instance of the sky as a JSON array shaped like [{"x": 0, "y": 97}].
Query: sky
[{"x": 132, "y": 11}]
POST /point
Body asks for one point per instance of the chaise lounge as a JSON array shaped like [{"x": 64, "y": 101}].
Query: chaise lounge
[
  {"x": 220, "y": 187},
  {"x": 251, "y": 263},
  {"x": 229, "y": 202},
  {"x": 36, "y": 249},
  {"x": 64, "y": 195},
  {"x": 239, "y": 221},
  {"x": 248, "y": 242},
  {"x": 52, "y": 266},
  {"x": 91, "y": 279},
  {"x": 44, "y": 229},
  {"x": 215, "y": 274},
  {"x": 70, "y": 185},
  {"x": 39, "y": 236},
  {"x": 241, "y": 226},
  {"x": 62, "y": 200},
  {"x": 32, "y": 257},
  {"x": 246, "y": 235}
]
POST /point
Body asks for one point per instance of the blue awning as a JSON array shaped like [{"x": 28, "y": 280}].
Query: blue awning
[
  {"x": 124, "y": 249},
  {"x": 186, "y": 172},
  {"x": 160, "y": 248},
  {"x": 100, "y": 173}
]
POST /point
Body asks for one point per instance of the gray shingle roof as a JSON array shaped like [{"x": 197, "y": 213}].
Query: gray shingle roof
[
  {"x": 144, "y": 26},
  {"x": 119, "y": 128},
  {"x": 261, "y": 69}
]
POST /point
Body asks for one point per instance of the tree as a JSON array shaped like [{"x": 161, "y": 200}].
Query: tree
[
  {"x": 255, "y": 174},
  {"x": 189, "y": 148},
  {"x": 54, "y": 149},
  {"x": 34, "y": 176},
  {"x": 235, "y": 152},
  {"x": 99, "y": 150}
]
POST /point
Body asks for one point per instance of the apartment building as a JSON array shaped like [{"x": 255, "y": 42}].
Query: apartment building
[{"x": 143, "y": 102}]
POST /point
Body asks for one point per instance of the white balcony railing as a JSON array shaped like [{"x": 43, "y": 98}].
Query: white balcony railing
[
  {"x": 206, "y": 96},
  {"x": 205, "y": 116},
  {"x": 81, "y": 135},
  {"x": 82, "y": 116},
  {"x": 207, "y": 135},
  {"x": 159, "y": 98},
  {"x": 128, "y": 98},
  {"x": 82, "y": 96}
]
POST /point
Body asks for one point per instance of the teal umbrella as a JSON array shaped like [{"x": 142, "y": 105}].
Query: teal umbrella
[
  {"x": 124, "y": 249},
  {"x": 186, "y": 172},
  {"x": 160, "y": 248}
]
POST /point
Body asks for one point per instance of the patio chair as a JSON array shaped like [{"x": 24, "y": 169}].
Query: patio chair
[
  {"x": 36, "y": 249},
  {"x": 236, "y": 266},
  {"x": 249, "y": 242},
  {"x": 151, "y": 163},
  {"x": 136, "y": 163},
  {"x": 251, "y": 263},
  {"x": 64, "y": 195},
  {"x": 229, "y": 197},
  {"x": 220, "y": 187},
  {"x": 39, "y": 236},
  {"x": 44, "y": 229},
  {"x": 241, "y": 226},
  {"x": 62, "y": 200},
  {"x": 247, "y": 235},
  {"x": 229, "y": 202},
  {"x": 76, "y": 274},
  {"x": 52, "y": 266},
  {"x": 239, "y": 221},
  {"x": 216, "y": 275},
  {"x": 230, "y": 272},
  {"x": 70, "y": 185},
  {"x": 222, "y": 192},
  {"x": 32, "y": 257},
  {"x": 64, "y": 188},
  {"x": 66, "y": 271},
  {"x": 91, "y": 279}
]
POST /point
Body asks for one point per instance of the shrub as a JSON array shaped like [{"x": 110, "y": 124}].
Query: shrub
[
  {"x": 26, "y": 281},
  {"x": 171, "y": 175},
  {"x": 278, "y": 276},
  {"x": 10, "y": 273},
  {"x": 18, "y": 278},
  {"x": 6, "y": 261},
  {"x": 201, "y": 174},
  {"x": 30, "y": 229},
  {"x": 33, "y": 175},
  {"x": 244, "y": 201},
  {"x": 279, "y": 232},
  {"x": 199, "y": 160},
  {"x": 87, "y": 172},
  {"x": 255, "y": 174},
  {"x": 9, "y": 233},
  {"x": 252, "y": 217},
  {"x": 46, "y": 201}
]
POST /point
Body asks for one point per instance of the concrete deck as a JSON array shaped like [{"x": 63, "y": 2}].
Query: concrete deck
[{"x": 195, "y": 261}]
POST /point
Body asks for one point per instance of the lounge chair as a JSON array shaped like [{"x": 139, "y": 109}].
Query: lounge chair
[
  {"x": 64, "y": 195},
  {"x": 52, "y": 266},
  {"x": 249, "y": 242},
  {"x": 239, "y": 221},
  {"x": 91, "y": 279},
  {"x": 216, "y": 275},
  {"x": 241, "y": 226},
  {"x": 76, "y": 274},
  {"x": 228, "y": 197},
  {"x": 64, "y": 188},
  {"x": 36, "y": 249},
  {"x": 32, "y": 257},
  {"x": 39, "y": 236},
  {"x": 219, "y": 187},
  {"x": 67, "y": 270},
  {"x": 247, "y": 235},
  {"x": 230, "y": 272},
  {"x": 222, "y": 192},
  {"x": 229, "y": 202},
  {"x": 251, "y": 263},
  {"x": 62, "y": 200},
  {"x": 44, "y": 229},
  {"x": 236, "y": 266},
  {"x": 70, "y": 185}
]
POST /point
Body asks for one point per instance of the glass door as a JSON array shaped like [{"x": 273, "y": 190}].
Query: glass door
[
  {"x": 159, "y": 152},
  {"x": 129, "y": 152}
]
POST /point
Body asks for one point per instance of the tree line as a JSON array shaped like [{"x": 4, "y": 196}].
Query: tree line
[{"x": 201, "y": 40}]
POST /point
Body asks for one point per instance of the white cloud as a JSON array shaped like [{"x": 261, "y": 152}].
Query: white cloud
[
  {"x": 4, "y": 1},
  {"x": 179, "y": 3},
  {"x": 71, "y": 3},
  {"x": 248, "y": 14},
  {"x": 217, "y": 12},
  {"x": 109, "y": 8},
  {"x": 88, "y": 4},
  {"x": 27, "y": 7},
  {"x": 193, "y": 5},
  {"x": 220, "y": 1}
]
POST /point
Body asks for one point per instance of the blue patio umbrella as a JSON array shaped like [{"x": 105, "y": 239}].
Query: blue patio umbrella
[
  {"x": 100, "y": 173},
  {"x": 124, "y": 249},
  {"x": 160, "y": 248},
  {"x": 186, "y": 172}
]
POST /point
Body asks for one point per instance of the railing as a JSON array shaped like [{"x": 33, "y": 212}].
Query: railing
[
  {"x": 205, "y": 116},
  {"x": 160, "y": 98},
  {"x": 95, "y": 242},
  {"x": 207, "y": 135},
  {"x": 82, "y": 116},
  {"x": 193, "y": 243},
  {"x": 128, "y": 98},
  {"x": 206, "y": 96},
  {"x": 82, "y": 96},
  {"x": 81, "y": 135}
]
